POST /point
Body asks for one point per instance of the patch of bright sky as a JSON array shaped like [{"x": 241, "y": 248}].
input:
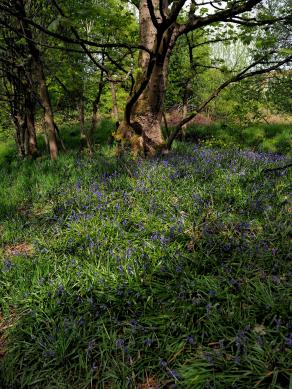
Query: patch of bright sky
[{"x": 235, "y": 55}]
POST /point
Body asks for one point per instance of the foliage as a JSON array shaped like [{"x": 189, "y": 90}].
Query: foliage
[
  {"x": 172, "y": 269},
  {"x": 187, "y": 81}
]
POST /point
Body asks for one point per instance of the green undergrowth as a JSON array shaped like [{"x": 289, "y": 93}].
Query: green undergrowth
[
  {"x": 275, "y": 138},
  {"x": 70, "y": 132},
  {"x": 270, "y": 138},
  {"x": 172, "y": 271},
  {"x": 7, "y": 151}
]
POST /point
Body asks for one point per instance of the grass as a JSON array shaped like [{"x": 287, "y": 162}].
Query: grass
[
  {"x": 71, "y": 132},
  {"x": 169, "y": 271},
  {"x": 275, "y": 138}
]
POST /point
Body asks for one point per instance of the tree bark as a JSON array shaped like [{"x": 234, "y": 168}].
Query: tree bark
[
  {"x": 48, "y": 112},
  {"x": 94, "y": 117},
  {"x": 159, "y": 31},
  {"x": 18, "y": 138},
  {"x": 115, "y": 109},
  {"x": 22, "y": 112},
  {"x": 30, "y": 129},
  {"x": 20, "y": 134},
  {"x": 37, "y": 65},
  {"x": 184, "y": 115},
  {"x": 83, "y": 138},
  {"x": 95, "y": 106},
  {"x": 143, "y": 113}
]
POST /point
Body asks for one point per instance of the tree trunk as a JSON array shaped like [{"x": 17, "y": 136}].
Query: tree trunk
[
  {"x": 143, "y": 113},
  {"x": 20, "y": 134},
  {"x": 48, "y": 112},
  {"x": 94, "y": 118},
  {"x": 18, "y": 138},
  {"x": 37, "y": 65},
  {"x": 32, "y": 142},
  {"x": 115, "y": 110},
  {"x": 31, "y": 133},
  {"x": 184, "y": 115},
  {"x": 60, "y": 137},
  {"x": 95, "y": 105},
  {"x": 84, "y": 138}
]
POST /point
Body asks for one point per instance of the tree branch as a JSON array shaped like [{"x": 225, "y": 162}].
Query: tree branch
[
  {"x": 152, "y": 14},
  {"x": 71, "y": 40},
  {"x": 238, "y": 77},
  {"x": 175, "y": 10},
  {"x": 220, "y": 16}
]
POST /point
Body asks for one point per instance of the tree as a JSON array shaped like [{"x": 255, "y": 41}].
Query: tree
[
  {"x": 18, "y": 89},
  {"x": 162, "y": 23},
  {"x": 33, "y": 68}
]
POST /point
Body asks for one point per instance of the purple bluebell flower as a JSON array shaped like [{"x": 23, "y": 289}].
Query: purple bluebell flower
[
  {"x": 94, "y": 366},
  {"x": 288, "y": 340},
  {"x": 148, "y": 342},
  {"x": 81, "y": 322},
  {"x": 134, "y": 324},
  {"x": 174, "y": 374},
  {"x": 190, "y": 340},
  {"x": 49, "y": 353},
  {"x": 155, "y": 236},
  {"x": 209, "y": 358},
  {"x": 8, "y": 265},
  {"x": 208, "y": 308},
  {"x": 237, "y": 360},
  {"x": 278, "y": 323},
  {"x": 226, "y": 248},
  {"x": 90, "y": 346},
  {"x": 260, "y": 341},
  {"x": 60, "y": 290},
  {"x": 120, "y": 343}
]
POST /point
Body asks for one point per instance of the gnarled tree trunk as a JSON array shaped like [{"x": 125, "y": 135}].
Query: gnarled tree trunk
[
  {"x": 143, "y": 113},
  {"x": 159, "y": 30}
]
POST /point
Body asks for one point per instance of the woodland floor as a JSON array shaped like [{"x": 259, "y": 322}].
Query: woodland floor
[{"x": 170, "y": 272}]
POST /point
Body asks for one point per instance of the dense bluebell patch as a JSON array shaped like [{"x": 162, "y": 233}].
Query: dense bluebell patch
[{"x": 175, "y": 268}]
